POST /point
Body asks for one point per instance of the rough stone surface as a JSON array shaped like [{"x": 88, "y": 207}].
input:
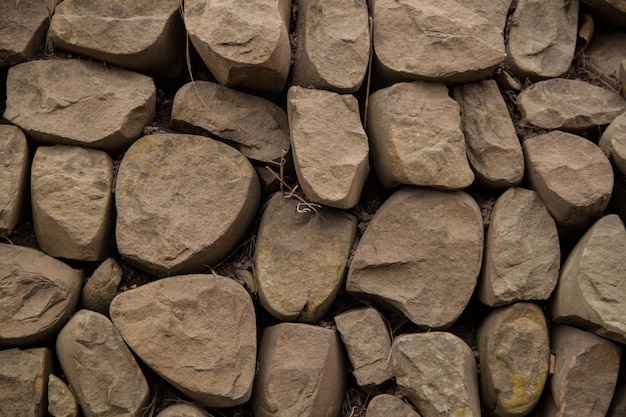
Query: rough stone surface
[
  {"x": 611, "y": 11},
  {"x": 436, "y": 371},
  {"x": 613, "y": 142},
  {"x": 591, "y": 292},
  {"x": 421, "y": 254},
  {"x": 604, "y": 54},
  {"x": 416, "y": 138},
  {"x": 38, "y": 295},
  {"x": 244, "y": 44},
  {"x": 493, "y": 149},
  {"x": 301, "y": 372},
  {"x": 258, "y": 127},
  {"x": 333, "y": 44},
  {"x": 77, "y": 102},
  {"x": 182, "y": 410},
  {"x": 23, "y": 380},
  {"x": 585, "y": 372},
  {"x": 441, "y": 41},
  {"x": 542, "y": 53},
  {"x": 514, "y": 349},
  {"x": 571, "y": 175},
  {"x": 101, "y": 287},
  {"x": 329, "y": 146},
  {"x": 99, "y": 367},
  {"x": 572, "y": 105},
  {"x": 144, "y": 36},
  {"x": 301, "y": 258},
  {"x": 385, "y": 405},
  {"x": 365, "y": 335},
  {"x": 494, "y": 11},
  {"x": 182, "y": 202},
  {"x": 522, "y": 252},
  {"x": 14, "y": 160},
  {"x": 72, "y": 202},
  {"x": 61, "y": 401}
]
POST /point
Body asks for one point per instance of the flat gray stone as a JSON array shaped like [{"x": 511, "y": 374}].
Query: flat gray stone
[
  {"x": 610, "y": 11},
  {"x": 604, "y": 54},
  {"x": 385, "y": 405},
  {"x": 15, "y": 161},
  {"x": 101, "y": 287},
  {"x": 61, "y": 400},
  {"x": 613, "y": 143},
  {"x": 183, "y": 410}
]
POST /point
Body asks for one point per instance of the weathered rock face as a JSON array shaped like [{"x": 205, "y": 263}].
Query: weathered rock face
[
  {"x": 72, "y": 202},
  {"x": 611, "y": 11},
  {"x": 416, "y": 138},
  {"x": 436, "y": 371},
  {"x": 604, "y": 54},
  {"x": 542, "y": 53},
  {"x": 61, "y": 401},
  {"x": 74, "y": 102},
  {"x": 258, "y": 127},
  {"x": 385, "y": 405},
  {"x": 101, "y": 287},
  {"x": 333, "y": 46},
  {"x": 440, "y": 41},
  {"x": 514, "y": 350},
  {"x": 494, "y": 11},
  {"x": 613, "y": 142},
  {"x": 493, "y": 148},
  {"x": 38, "y": 295},
  {"x": 330, "y": 148},
  {"x": 301, "y": 258},
  {"x": 14, "y": 159},
  {"x": 196, "y": 331},
  {"x": 99, "y": 367},
  {"x": 237, "y": 46},
  {"x": 522, "y": 253},
  {"x": 144, "y": 36},
  {"x": 182, "y": 202},
  {"x": 421, "y": 253},
  {"x": 182, "y": 410},
  {"x": 301, "y": 372}
]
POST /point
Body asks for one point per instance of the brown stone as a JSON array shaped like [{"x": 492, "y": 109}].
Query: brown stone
[
  {"x": 604, "y": 54},
  {"x": 610, "y": 11},
  {"x": 183, "y": 410},
  {"x": 613, "y": 143},
  {"x": 101, "y": 287},
  {"x": 14, "y": 159},
  {"x": 385, "y": 405},
  {"x": 61, "y": 400}
]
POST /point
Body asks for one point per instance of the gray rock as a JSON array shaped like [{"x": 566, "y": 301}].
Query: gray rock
[
  {"x": 38, "y": 295},
  {"x": 329, "y": 146},
  {"x": 613, "y": 143},
  {"x": 258, "y": 127},
  {"x": 99, "y": 367},
  {"x": 182, "y": 202},
  {"x": 440, "y": 41},
  {"x": 72, "y": 202},
  {"x": 239, "y": 48},
  {"x": 604, "y": 54},
  {"x": 493, "y": 149},
  {"x": 196, "y": 331},
  {"x": 416, "y": 138},
  {"x": 182, "y": 410},
  {"x": 333, "y": 44},
  {"x": 101, "y": 287},
  {"x": 618, "y": 405},
  {"x": 385, "y": 405},
  {"x": 77, "y": 102},
  {"x": 366, "y": 337},
  {"x": 421, "y": 254},
  {"x": 542, "y": 53},
  {"x": 14, "y": 159},
  {"x": 436, "y": 371},
  {"x": 301, "y": 372},
  {"x": 61, "y": 400},
  {"x": 514, "y": 349},
  {"x": 494, "y": 11},
  {"x": 610, "y": 11},
  {"x": 23, "y": 381},
  {"x": 522, "y": 252}
]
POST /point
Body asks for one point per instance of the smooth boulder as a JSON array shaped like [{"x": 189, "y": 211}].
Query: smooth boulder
[
  {"x": 23, "y": 381},
  {"x": 14, "y": 159},
  {"x": 613, "y": 142}
]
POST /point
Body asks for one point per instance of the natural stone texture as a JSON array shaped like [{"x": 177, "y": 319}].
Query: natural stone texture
[
  {"x": 99, "y": 367},
  {"x": 416, "y": 138},
  {"x": 301, "y": 372},
  {"x": 611, "y": 11},
  {"x": 613, "y": 142},
  {"x": 183, "y": 202},
  {"x": 542, "y": 53},
  {"x": 240, "y": 48},
  {"x": 571, "y": 175},
  {"x": 493, "y": 149},
  {"x": 196, "y": 331},
  {"x": 333, "y": 44},
  {"x": 585, "y": 373},
  {"x": 329, "y": 146},
  {"x": 365, "y": 335},
  {"x": 436, "y": 371},
  {"x": 182, "y": 410},
  {"x": 38, "y": 295},
  {"x": 72, "y": 202},
  {"x": 569, "y": 104},
  {"x": 23, "y": 26},
  {"x": 421, "y": 253},
  {"x": 77, "y": 102},
  {"x": 618, "y": 405},
  {"x": 258, "y": 127},
  {"x": 144, "y": 36},
  {"x": 61, "y": 401},
  {"x": 591, "y": 292},
  {"x": 14, "y": 160},
  {"x": 385, "y": 405},
  {"x": 494, "y": 11},
  {"x": 23, "y": 381},
  {"x": 604, "y": 54},
  {"x": 101, "y": 287},
  {"x": 514, "y": 349},
  {"x": 522, "y": 253},
  {"x": 442, "y": 41}
]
